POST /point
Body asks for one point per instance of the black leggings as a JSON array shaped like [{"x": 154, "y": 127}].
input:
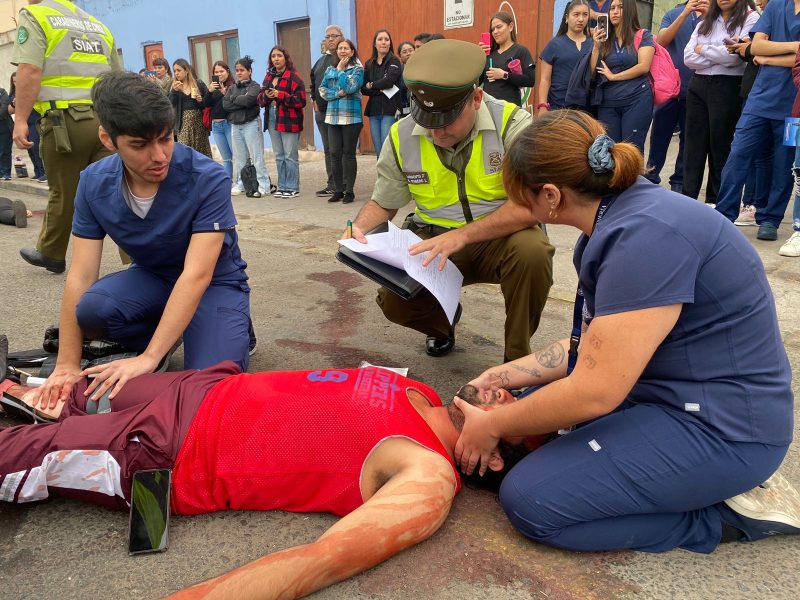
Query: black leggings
[{"x": 343, "y": 140}]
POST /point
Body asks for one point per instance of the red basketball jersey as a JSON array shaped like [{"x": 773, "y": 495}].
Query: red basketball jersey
[{"x": 294, "y": 440}]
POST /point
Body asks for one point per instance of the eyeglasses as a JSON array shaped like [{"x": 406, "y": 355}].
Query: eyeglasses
[{"x": 333, "y": 36}]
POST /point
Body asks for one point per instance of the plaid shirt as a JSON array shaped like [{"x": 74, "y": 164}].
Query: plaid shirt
[
  {"x": 344, "y": 110},
  {"x": 290, "y": 101}
]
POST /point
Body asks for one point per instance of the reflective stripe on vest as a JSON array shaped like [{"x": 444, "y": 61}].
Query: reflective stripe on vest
[
  {"x": 444, "y": 197},
  {"x": 78, "y": 50}
]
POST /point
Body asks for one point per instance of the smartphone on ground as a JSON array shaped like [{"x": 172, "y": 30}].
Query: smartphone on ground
[{"x": 149, "y": 519}]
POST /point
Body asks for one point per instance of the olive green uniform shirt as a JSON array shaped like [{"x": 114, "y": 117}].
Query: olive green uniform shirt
[
  {"x": 31, "y": 46},
  {"x": 391, "y": 189}
]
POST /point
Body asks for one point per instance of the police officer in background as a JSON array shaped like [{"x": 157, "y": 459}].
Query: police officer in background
[
  {"x": 446, "y": 158},
  {"x": 60, "y": 51}
]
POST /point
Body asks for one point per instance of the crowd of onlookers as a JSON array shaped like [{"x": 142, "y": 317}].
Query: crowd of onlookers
[
  {"x": 738, "y": 67},
  {"x": 735, "y": 58},
  {"x": 230, "y": 106}
]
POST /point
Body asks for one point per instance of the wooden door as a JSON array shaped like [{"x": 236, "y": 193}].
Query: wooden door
[{"x": 295, "y": 36}]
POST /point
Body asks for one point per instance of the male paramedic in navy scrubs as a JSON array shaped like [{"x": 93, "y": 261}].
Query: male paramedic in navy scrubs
[{"x": 169, "y": 208}]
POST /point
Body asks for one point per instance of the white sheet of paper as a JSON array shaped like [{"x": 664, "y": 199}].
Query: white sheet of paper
[
  {"x": 389, "y": 92},
  {"x": 392, "y": 248}
]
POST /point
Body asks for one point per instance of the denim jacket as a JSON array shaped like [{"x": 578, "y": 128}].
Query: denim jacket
[{"x": 345, "y": 110}]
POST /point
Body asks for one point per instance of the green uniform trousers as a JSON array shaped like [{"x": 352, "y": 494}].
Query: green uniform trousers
[
  {"x": 63, "y": 172},
  {"x": 523, "y": 266}
]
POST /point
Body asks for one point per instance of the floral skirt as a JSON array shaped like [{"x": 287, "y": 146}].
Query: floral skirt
[{"x": 192, "y": 132}]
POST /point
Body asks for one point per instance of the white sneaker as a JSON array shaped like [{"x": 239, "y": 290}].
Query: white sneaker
[
  {"x": 263, "y": 192},
  {"x": 775, "y": 504},
  {"x": 747, "y": 216},
  {"x": 792, "y": 246},
  {"x": 237, "y": 190}
]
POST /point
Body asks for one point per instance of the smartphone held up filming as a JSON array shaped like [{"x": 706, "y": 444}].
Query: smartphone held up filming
[
  {"x": 215, "y": 79},
  {"x": 602, "y": 26},
  {"x": 149, "y": 518}
]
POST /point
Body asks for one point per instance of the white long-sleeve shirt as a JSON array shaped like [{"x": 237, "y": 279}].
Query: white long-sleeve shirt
[{"x": 714, "y": 58}]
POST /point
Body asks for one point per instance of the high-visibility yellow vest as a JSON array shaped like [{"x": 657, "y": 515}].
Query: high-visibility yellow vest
[
  {"x": 444, "y": 197},
  {"x": 78, "y": 52}
]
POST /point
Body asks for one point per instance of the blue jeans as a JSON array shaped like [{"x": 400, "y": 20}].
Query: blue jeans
[
  {"x": 752, "y": 132},
  {"x": 379, "y": 130},
  {"x": 284, "y": 144},
  {"x": 756, "y": 188},
  {"x": 796, "y": 209},
  {"x": 644, "y": 477},
  {"x": 665, "y": 118},
  {"x": 222, "y": 137},
  {"x": 126, "y": 307},
  {"x": 248, "y": 144},
  {"x": 629, "y": 123}
]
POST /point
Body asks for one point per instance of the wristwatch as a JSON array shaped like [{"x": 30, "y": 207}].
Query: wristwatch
[{"x": 505, "y": 74}]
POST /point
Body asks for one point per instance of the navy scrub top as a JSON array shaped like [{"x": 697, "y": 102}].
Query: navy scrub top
[
  {"x": 195, "y": 197},
  {"x": 622, "y": 93},
  {"x": 724, "y": 362},
  {"x": 563, "y": 56}
]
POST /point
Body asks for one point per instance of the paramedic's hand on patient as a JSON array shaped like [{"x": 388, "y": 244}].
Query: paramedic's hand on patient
[
  {"x": 118, "y": 373},
  {"x": 57, "y": 387}
]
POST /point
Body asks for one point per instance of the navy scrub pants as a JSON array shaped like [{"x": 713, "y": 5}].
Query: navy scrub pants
[
  {"x": 126, "y": 307},
  {"x": 631, "y": 122},
  {"x": 665, "y": 118},
  {"x": 644, "y": 477},
  {"x": 752, "y": 132}
]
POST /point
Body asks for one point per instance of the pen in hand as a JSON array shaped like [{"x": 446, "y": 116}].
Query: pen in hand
[{"x": 349, "y": 230}]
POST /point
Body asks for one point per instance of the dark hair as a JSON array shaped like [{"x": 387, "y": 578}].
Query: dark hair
[
  {"x": 628, "y": 27},
  {"x": 246, "y": 62},
  {"x": 286, "y": 55},
  {"x": 435, "y": 36},
  {"x": 510, "y": 453},
  {"x": 538, "y": 155},
  {"x": 353, "y": 59},
  {"x": 127, "y": 104},
  {"x": 400, "y": 46},
  {"x": 422, "y": 37},
  {"x": 736, "y": 19},
  {"x": 230, "y": 80},
  {"x": 162, "y": 62},
  {"x": 12, "y": 87},
  {"x": 142, "y": 71},
  {"x": 508, "y": 20},
  {"x": 562, "y": 30},
  {"x": 374, "y": 56}
]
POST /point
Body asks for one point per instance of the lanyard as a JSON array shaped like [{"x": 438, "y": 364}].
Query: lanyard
[{"x": 577, "y": 312}]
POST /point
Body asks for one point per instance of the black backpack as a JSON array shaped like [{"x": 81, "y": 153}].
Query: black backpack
[{"x": 250, "y": 180}]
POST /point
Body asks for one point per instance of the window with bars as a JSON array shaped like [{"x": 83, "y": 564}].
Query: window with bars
[{"x": 209, "y": 48}]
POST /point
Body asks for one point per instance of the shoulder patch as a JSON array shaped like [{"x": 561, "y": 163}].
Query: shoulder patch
[{"x": 22, "y": 35}]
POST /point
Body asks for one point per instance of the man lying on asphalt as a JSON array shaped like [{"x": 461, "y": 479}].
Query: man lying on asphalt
[{"x": 365, "y": 444}]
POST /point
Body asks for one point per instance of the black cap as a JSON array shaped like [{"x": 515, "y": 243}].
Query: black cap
[{"x": 441, "y": 76}]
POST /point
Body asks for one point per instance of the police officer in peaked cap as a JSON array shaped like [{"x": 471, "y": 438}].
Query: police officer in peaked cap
[{"x": 446, "y": 158}]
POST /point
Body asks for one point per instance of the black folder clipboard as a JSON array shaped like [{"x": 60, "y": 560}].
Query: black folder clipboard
[{"x": 393, "y": 279}]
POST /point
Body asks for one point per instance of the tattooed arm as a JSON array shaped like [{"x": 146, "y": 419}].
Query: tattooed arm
[
  {"x": 405, "y": 510},
  {"x": 615, "y": 349},
  {"x": 538, "y": 368}
]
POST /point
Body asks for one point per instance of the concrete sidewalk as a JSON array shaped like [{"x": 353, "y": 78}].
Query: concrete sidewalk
[{"x": 312, "y": 312}]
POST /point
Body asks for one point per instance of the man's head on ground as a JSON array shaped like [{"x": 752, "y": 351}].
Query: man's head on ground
[
  {"x": 509, "y": 452},
  {"x": 333, "y": 35},
  {"x": 442, "y": 77},
  {"x": 137, "y": 121}
]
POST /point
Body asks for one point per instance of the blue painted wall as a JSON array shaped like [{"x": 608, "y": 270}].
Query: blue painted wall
[
  {"x": 558, "y": 11},
  {"x": 136, "y": 23}
]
